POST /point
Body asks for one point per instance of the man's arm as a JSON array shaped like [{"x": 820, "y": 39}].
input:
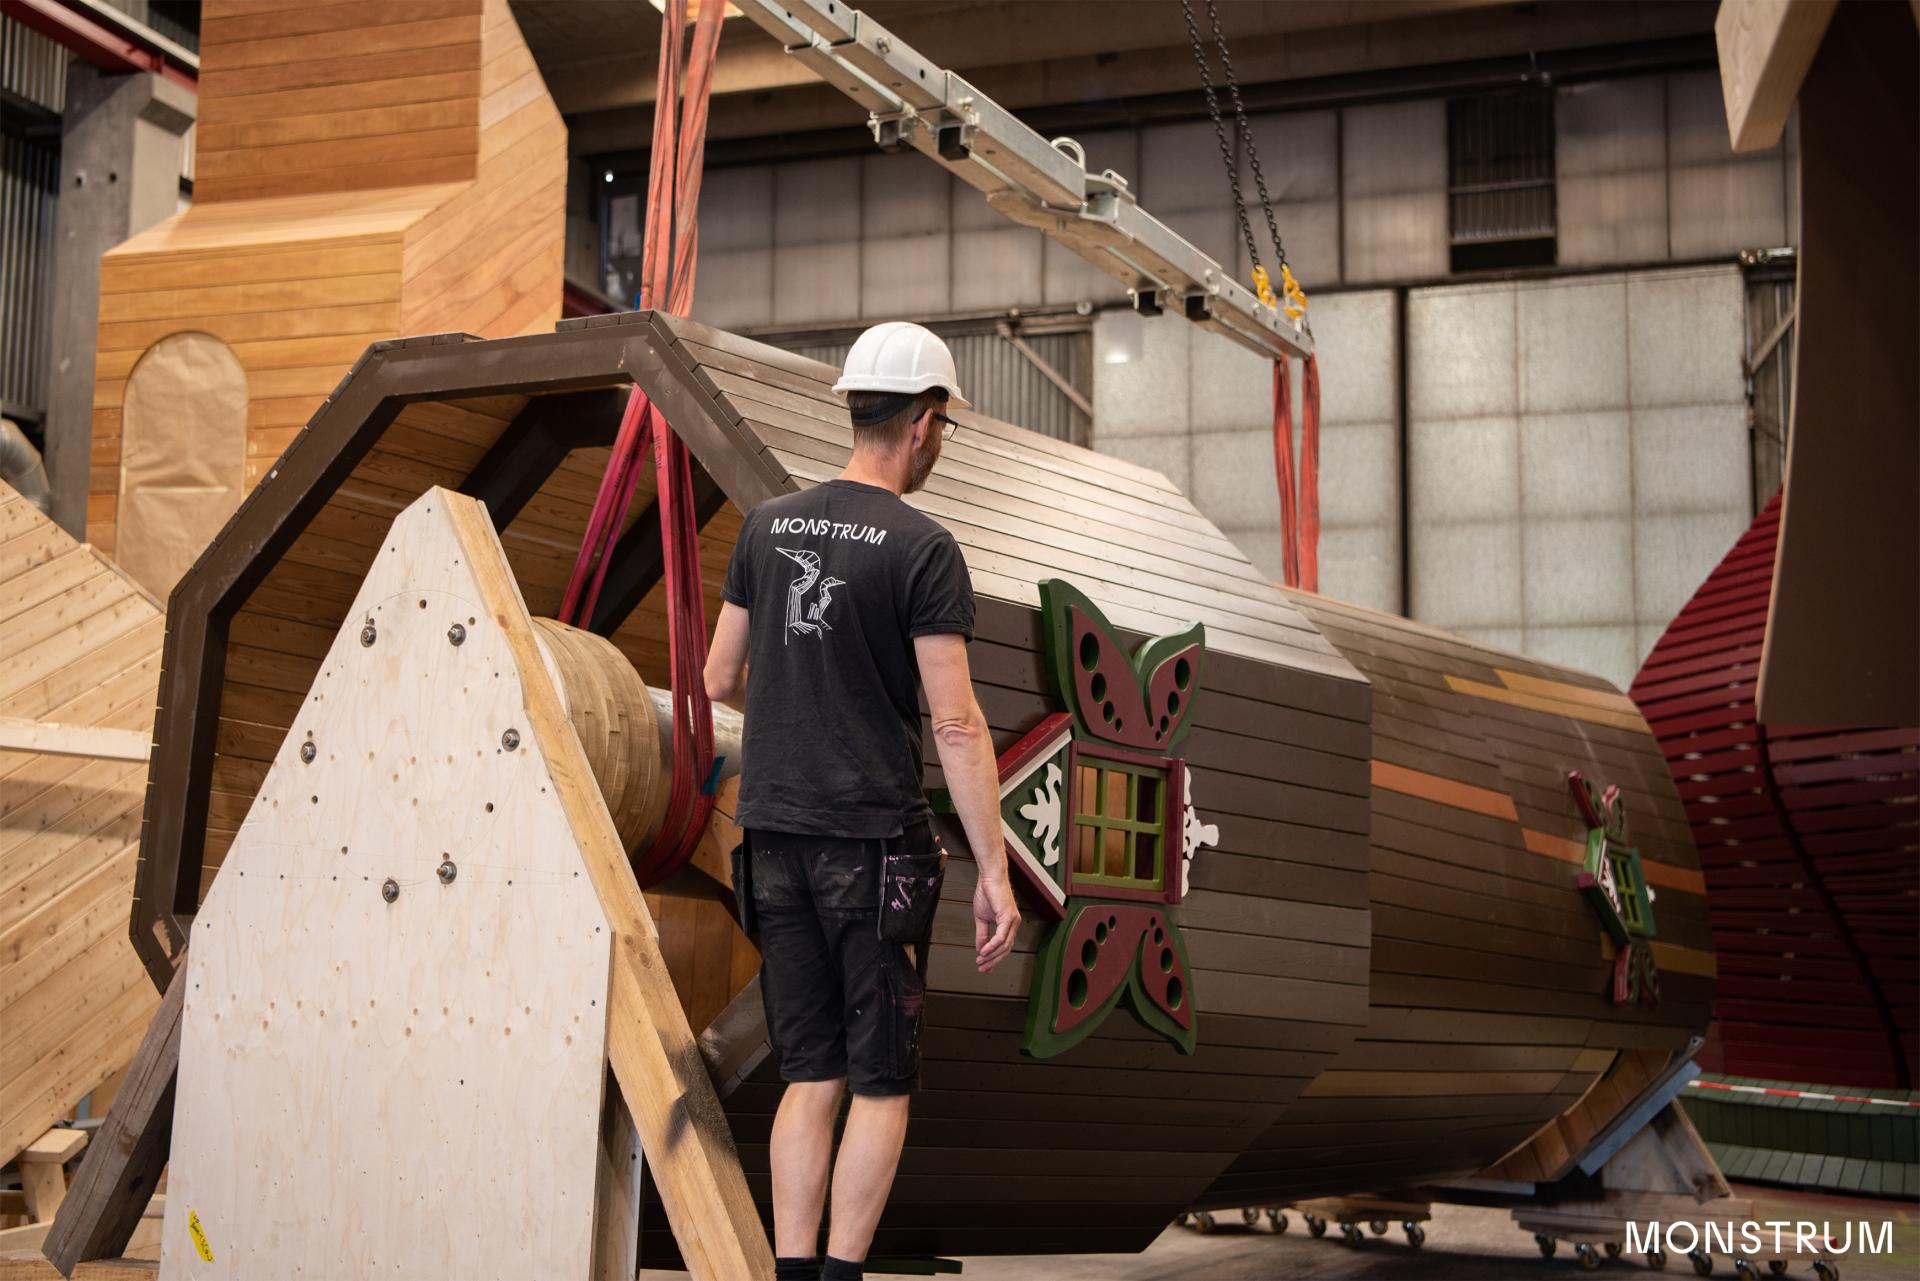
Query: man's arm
[
  {"x": 726, "y": 674},
  {"x": 973, "y": 779}
]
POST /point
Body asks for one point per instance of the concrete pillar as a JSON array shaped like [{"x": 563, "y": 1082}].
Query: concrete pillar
[{"x": 119, "y": 175}]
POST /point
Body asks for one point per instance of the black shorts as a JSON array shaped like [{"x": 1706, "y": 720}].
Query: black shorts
[{"x": 839, "y": 1000}]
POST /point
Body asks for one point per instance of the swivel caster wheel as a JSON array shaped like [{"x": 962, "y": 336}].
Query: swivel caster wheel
[
  {"x": 1315, "y": 1224},
  {"x": 1744, "y": 1270},
  {"x": 1378, "y": 1227},
  {"x": 1250, "y": 1215},
  {"x": 1588, "y": 1256},
  {"x": 1777, "y": 1266},
  {"x": 1277, "y": 1220},
  {"x": 1350, "y": 1233},
  {"x": 1204, "y": 1221},
  {"x": 1613, "y": 1249},
  {"x": 1546, "y": 1243},
  {"x": 1702, "y": 1263},
  {"x": 1657, "y": 1260},
  {"x": 1826, "y": 1271},
  {"x": 1416, "y": 1235}
]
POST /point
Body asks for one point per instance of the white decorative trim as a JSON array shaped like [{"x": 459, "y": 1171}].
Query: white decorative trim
[
  {"x": 1043, "y": 811},
  {"x": 1194, "y": 835}
]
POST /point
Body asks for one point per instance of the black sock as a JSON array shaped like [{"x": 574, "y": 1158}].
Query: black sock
[
  {"x": 842, "y": 1270},
  {"x": 796, "y": 1269}
]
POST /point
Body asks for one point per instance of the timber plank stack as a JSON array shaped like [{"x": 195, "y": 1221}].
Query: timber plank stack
[
  {"x": 79, "y": 646},
  {"x": 363, "y": 171}
]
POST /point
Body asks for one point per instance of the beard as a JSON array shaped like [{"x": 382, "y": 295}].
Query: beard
[{"x": 924, "y": 457}]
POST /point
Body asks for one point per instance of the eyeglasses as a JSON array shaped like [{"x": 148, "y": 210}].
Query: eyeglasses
[{"x": 948, "y": 426}]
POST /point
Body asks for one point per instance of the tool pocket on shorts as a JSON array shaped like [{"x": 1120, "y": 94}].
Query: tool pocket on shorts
[
  {"x": 905, "y": 1005},
  {"x": 743, "y": 887},
  {"x": 912, "y": 868}
]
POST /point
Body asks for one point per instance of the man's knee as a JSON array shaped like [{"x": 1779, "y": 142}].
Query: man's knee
[{"x": 817, "y": 1095}]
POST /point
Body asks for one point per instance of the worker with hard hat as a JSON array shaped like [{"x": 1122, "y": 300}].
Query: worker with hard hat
[{"x": 841, "y": 604}]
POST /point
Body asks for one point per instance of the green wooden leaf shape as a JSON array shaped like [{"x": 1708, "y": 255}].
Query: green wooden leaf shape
[
  {"x": 1104, "y": 952},
  {"x": 1144, "y": 700}
]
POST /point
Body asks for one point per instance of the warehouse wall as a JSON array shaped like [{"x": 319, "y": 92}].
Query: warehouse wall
[
  {"x": 1574, "y": 446},
  {"x": 1645, "y": 175}
]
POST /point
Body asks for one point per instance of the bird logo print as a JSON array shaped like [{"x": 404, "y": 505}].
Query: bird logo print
[{"x": 803, "y": 618}]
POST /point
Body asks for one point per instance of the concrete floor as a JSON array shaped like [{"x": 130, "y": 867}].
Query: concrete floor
[{"x": 1463, "y": 1244}]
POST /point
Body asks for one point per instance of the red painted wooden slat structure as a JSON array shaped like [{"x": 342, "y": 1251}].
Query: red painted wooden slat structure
[{"x": 1810, "y": 841}]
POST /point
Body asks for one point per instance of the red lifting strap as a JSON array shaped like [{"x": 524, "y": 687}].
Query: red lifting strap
[
  {"x": 673, "y": 198},
  {"x": 1299, "y": 516}
]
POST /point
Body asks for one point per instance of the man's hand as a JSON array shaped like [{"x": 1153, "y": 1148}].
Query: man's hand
[{"x": 995, "y": 920}]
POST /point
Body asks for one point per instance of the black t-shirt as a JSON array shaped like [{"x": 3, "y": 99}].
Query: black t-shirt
[{"x": 838, "y": 580}]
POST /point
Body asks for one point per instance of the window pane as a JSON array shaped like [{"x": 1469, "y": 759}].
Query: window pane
[
  {"x": 1145, "y": 848},
  {"x": 1116, "y": 798},
  {"x": 1088, "y": 798},
  {"x": 1115, "y": 852},
  {"x": 1146, "y": 800},
  {"x": 1086, "y": 859}
]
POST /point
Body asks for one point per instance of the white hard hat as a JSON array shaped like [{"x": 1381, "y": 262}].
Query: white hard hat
[{"x": 901, "y": 357}]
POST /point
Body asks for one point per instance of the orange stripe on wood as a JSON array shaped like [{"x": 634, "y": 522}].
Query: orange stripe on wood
[
  {"x": 1443, "y": 791},
  {"x": 1671, "y": 956},
  {"x": 1562, "y": 692},
  {"x": 1684, "y": 879},
  {"x": 1554, "y": 706},
  {"x": 1559, "y": 847}
]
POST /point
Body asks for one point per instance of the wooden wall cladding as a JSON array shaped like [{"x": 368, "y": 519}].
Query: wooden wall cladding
[
  {"x": 81, "y": 647},
  {"x": 1097, "y": 1150},
  {"x": 1491, "y": 1013},
  {"x": 1810, "y": 841},
  {"x": 363, "y": 171}
]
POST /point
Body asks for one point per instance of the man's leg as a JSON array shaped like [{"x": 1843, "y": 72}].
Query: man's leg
[
  {"x": 863, "y": 1174},
  {"x": 801, "y": 1151}
]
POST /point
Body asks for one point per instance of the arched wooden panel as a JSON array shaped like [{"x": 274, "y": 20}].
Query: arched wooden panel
[{"x": 182, "y": 454}]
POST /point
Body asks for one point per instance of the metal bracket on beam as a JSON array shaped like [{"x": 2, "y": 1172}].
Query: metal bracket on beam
[{"x": 912, "y": 102}]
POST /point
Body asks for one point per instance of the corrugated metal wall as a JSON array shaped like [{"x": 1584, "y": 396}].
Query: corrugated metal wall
[
  {"x": 1000, "y": 381},
  {"x": 29, "y": 173},
  {"x": 33, "y": 67},
  {"x": 33, "y": 70}
]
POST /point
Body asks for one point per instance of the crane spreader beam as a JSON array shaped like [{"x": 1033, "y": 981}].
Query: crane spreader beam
[{"x": 914, "y": 103}]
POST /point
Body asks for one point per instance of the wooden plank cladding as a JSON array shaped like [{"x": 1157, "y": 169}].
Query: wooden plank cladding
[
  {"x": 1492, "y": 1019},
  {"x": 82, "y": 648},
  {"x": 362, "y": 171},
  {"x": 1395, "y": 976}
]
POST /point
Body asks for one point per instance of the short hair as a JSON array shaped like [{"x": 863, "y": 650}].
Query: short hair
[{"x": 884, "y": 418}]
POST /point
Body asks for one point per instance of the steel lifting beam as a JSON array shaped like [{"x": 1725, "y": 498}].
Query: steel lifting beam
[{"x": 913, "y": 103}]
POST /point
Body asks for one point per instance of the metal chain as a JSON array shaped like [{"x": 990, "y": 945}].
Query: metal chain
[
  {"x": 1246, "y": 133},
  {"x": 1219, "y": 126}
]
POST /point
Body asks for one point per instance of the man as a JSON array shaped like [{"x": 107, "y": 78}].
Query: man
[{"x": 841, "y": 602}]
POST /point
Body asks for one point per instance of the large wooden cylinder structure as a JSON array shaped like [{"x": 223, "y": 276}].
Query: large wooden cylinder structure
[
  {"x": 1438, "y": 905},
  {"x": 625, "y": 728}
]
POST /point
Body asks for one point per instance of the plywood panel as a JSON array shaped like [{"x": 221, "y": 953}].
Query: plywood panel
[{"x": 308, "y": 989}]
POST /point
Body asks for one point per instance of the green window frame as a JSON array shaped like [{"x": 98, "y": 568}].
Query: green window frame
[
  {"x": 1628, "y": 884},
  {"x": 1093, "y": 822}
]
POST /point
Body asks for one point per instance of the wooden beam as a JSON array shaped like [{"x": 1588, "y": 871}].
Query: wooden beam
[
  {"x": 539, "y": 438},
  {"x": 1766, "y": 47},
  {"x": 662, "y": 1076},
  {"x": 17, "y": 734},
  {"x": 122, "y": 1166},
  {"x": 390, "y": 375}
]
